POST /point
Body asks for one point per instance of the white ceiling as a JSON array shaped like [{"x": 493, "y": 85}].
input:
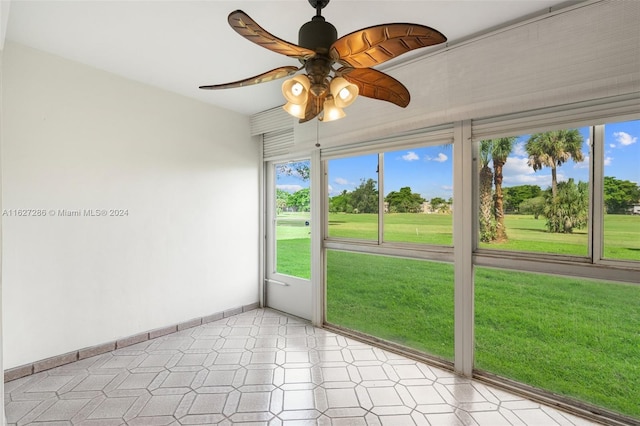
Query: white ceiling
[{"x": 179, "y": 45}]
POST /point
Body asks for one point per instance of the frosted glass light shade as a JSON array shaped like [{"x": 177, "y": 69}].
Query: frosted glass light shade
[
  {"x": 295, "y": 110},
  {"x": 344, "y": 93},
  {"x": 331, "y": 111},
  {"x": 296, "y": 89}
]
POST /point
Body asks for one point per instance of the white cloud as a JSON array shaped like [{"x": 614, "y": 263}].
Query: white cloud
[
  {"x": 543, "y": 181},
  {"x": 608, "y": 161},
  {"x": 441, "y": 158},
  {"x": 624, "y": 138},
  {"x": 612, "y": 145},
  {"x": 330, "y": 188},
  {"x": 516, "y": 171},
  {"x": 517, "y": 166},
  {"x": 341, "y": 181},
  {"x": 410, "y": 156},
  {"x": 583, "y": 164},
  {"x": 519, "y": 151},
  {"x": 290, "y": 188}
]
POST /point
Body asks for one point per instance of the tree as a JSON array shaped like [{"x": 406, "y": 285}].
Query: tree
[
  {"x": 341, "y": 203},
  {"x": 534, "y": 206},
  {"x": 569, "y": 208},
  {"x": 486, "y": 220},
  {"x": 553, "y": 149},
  {"x": 300, "y": 169},
  {"x": 301, "y": 200},
  {"x": 364, "y": 198},
  {"x": 282, "y": 200},
  {"x": 500, "y": 150},
  {"x": 514, "y": 196},
  {"x": 620, "y": 195},
  {"x": 439, "y": 204},
  {"x": 492, "y": 203},
  {"x": 404, "y": 201}
]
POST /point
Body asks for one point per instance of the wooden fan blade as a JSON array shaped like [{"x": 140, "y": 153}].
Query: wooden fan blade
[
  {"x": 274, "y": 74},
  {"x": 377, "y": 85},
  {"x": 249, "y": 29},
  {"x": 314, "y": 107},
  {"x": 374, "y": 45}
]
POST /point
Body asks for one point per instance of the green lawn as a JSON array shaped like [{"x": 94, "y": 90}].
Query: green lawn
[
  {"x": 621, "y": 240},
  {"x": 574, "y": 337},
  {"x": 401, "y": 300},
  {"x": 293, "y": 239}
]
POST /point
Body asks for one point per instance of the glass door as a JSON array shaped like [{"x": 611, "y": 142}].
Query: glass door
[{"x": 288, "y": 269}]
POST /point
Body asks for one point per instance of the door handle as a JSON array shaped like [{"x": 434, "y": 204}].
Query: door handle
[{"x": 270, "y": 281}]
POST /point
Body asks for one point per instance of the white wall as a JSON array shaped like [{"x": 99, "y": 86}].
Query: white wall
[{"x": 78, "y": 138}]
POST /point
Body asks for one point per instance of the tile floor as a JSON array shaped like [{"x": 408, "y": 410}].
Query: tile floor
[{"x": 262, "y": 368}]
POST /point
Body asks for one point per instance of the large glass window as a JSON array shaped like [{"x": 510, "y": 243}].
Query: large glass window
[
  {"x": 534, "y": 192},
  {"x": 292, "y": 219},
  {"x": 353, "y": 197},
  {"x": 571, "y": 336},
  {"x": 622, "y": 190},
  {"x": 418, "y": 195},
  {"x": 409, "y": 302}
]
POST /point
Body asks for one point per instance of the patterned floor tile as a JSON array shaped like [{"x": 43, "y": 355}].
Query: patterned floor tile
[{"x": 264, "y": 368}]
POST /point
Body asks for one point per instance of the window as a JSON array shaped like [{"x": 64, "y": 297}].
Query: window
[
  {"x": 292, "y": 219},
  {"x": 383, "y": 203},
  {"x": 574, "y": 337},
  {"x": 405, "y": 301},
  {"x": 621, "y": 189},
  {"x": 418, "y": 200},
  {"x": 554, "y": 203},
  {"x": 353, "y": 197},
  {"x": 533, "y": 192}
]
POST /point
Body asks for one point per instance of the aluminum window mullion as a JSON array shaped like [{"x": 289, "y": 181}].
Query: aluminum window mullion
[
  {"x": 596, "y": 229},
  {"x": 380, "y": 198},
  {"x": 463, "y": 216}
]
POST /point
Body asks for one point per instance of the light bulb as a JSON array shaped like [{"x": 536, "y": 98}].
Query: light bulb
[
  {"x": 296, "y": 89},
  {"x": 331, "y": 111},
  {"x": 343, "y": 92}
]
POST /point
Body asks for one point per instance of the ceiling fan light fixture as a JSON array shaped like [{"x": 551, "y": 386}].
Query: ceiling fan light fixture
[
  {"x": 344, "y": 93},
  {"x": 296, "y": 89},
  {"x": 295, "y": 110},
  {"x": 324, "y": 90},
  {"x": 331, "y": 112}
]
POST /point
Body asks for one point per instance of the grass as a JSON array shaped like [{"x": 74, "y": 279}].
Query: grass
[
  {"x": 402, "y": 300},
  {"x": 574, "y": 337},
  {"x": 293, "y": 239},
  {"x": 621, "y": 239}
]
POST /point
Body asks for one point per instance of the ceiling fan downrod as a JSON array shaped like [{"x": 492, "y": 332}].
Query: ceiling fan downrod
[
  {"x": 317, "y": 34},
  {"x": 318, "y": 5}
]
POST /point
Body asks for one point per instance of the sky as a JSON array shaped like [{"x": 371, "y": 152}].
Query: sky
[{"x": 429, "y": 171}]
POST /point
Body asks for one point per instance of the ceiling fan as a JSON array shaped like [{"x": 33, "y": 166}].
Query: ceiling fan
[{"x": 326, "y": 89}]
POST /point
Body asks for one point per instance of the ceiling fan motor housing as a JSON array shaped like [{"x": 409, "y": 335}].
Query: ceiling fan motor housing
[{"x": 317, "y": 35}]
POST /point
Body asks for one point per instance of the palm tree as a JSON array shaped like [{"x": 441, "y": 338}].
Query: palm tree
[
  {"x": 500, "y": 150},
  {"x": 553, "y": 149},
  {"x": 487, "y": 228}
]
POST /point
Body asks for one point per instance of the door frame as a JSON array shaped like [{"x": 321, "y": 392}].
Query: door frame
[{"x": 274, "y": 283}]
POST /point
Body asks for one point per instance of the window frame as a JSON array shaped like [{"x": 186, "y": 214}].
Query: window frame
[{"x": 440, "y": 135}]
